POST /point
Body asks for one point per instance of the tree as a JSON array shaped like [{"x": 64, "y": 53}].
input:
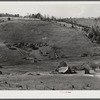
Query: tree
[
  {"x": 32, "y": 15},
  {"x": 48, "y": 19},
  {"x": 62, "y": 63},
  {"x": 0, "y": 15},
  {"x": 53, "y": 18},
  {"x": 38, "y": 15},
  {"x": 16, "y": 15}
]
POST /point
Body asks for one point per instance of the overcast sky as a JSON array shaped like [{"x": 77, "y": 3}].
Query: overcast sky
[{"x": 58, "y": 9}]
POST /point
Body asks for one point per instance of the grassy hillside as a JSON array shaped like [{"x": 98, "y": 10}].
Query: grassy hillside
[
  {"x": 10, "y": 56},
  {"x": 87, "y": 21},
  {"x": 72, "y": 41}
]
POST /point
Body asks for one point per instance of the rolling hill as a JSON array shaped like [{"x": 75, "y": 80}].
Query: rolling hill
[{"x": 72, "y": 42}]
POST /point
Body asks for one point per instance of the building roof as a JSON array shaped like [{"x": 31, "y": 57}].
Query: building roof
[{"x": 63, "y": 69}]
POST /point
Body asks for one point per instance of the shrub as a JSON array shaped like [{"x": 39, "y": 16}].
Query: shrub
[
  {"x": 9, "y": 18},
  {"x": 1, "y": 66},
  {"x": 87, "y": 70},
  {"x": 1, "y": 72},
  {"x": 90, "y": 35},
  {"x": 84, "y": 55}
]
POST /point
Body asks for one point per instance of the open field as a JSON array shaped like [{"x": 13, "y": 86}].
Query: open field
[{"x": 49, "y": 82}]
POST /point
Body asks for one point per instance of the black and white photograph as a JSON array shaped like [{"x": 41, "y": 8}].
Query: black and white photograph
[{"x": 49, "y": 45}]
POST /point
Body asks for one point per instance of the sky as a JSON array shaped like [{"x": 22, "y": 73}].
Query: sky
[{"x": 58, "y": 9}]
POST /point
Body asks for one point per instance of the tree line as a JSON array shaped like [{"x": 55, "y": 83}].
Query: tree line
[
  {"x": 9, "y": 15},
  {"x": 37, "y": 15}
]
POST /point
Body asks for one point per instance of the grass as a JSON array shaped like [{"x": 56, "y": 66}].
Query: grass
[
  {"x": 48, "y": 82},
  {"x": 87, "y": 21},
  {"x": 72, "y": 41}
]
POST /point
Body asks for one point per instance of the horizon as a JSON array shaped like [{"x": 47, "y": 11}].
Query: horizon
[{"x": 57, "y": 9}]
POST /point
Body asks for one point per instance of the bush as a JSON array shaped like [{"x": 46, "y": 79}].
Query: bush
[
  {"x": 1, "y": 66},
  {"x": 9, "y": 18},
  {"x": 87, "y": 70},
  {"x": 1, "y": 72},
  {"x": 90, "y": 35},
  {"x": 84, "y": 55}
]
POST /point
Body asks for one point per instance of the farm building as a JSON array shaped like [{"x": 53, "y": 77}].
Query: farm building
[{"x": 63, "y": 68}]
